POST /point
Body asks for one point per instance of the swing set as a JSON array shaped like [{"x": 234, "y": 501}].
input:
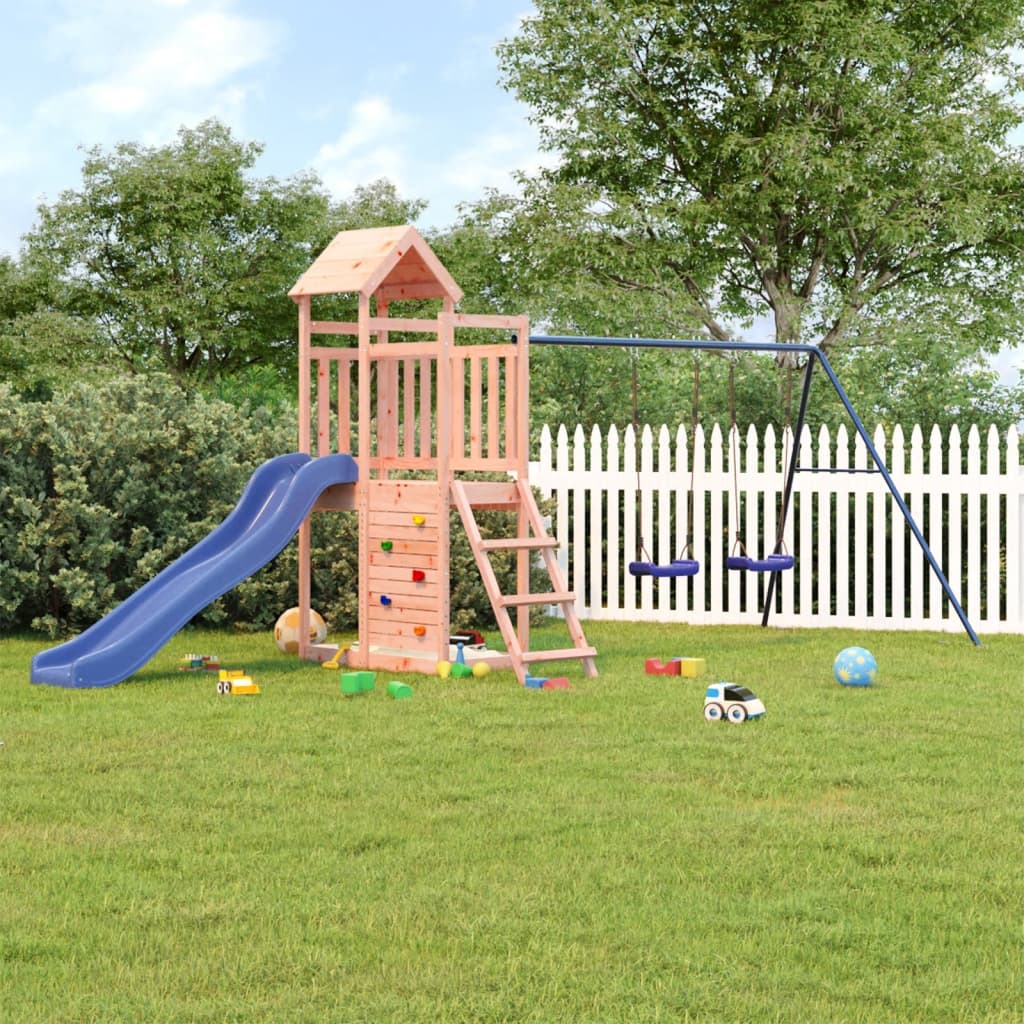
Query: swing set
[
  {"x": 738, "y": 561},
  {"x": 779, "y": 560}
]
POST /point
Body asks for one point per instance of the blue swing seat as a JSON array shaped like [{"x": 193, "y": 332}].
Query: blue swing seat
[
  {"x": 677, "y": 567},
  {"x": 773, "y": 563}
]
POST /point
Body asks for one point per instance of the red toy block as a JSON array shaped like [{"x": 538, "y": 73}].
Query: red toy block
[
  {"x": 656, "y": 667},
  {"x": 558, "y": 683}
]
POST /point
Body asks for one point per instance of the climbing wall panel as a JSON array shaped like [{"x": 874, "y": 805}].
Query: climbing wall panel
[{"x": 406, "y": 567}]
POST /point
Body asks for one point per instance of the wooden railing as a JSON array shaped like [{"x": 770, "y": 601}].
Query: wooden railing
[{"x": 470, "y": 408}]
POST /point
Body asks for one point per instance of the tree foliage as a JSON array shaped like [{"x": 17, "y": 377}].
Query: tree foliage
[
  {"x": 177, "y": 258},
  {"x": 829, "y": 164}
]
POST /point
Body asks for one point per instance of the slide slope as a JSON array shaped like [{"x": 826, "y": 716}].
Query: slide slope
[{"x": 276, "y": 500}]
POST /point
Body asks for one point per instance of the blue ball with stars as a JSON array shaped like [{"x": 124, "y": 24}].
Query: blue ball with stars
[{"x": 855, "y": 666}]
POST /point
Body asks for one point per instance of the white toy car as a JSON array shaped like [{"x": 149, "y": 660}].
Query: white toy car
[{"x": 727, "y": 700}]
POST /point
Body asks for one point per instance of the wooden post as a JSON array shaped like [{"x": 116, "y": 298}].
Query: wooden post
[
  {"x": 522, "y": 457},
  {"x": 305, "y": 413},
  {"x": 364, "y": 484},
  {"x": 443, "y": 420},
  {"x": 387, "y": 395},
  {"x": 304, "y": 373}
]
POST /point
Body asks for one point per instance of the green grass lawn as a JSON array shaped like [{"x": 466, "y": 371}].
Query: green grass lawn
[{"x": 487, "y": 853}]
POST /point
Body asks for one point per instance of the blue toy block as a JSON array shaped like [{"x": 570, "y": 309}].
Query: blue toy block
[{"x": 534, "y": 682}]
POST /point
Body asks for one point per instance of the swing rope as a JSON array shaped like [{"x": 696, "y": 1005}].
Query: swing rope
[
  {"x": 681, "y": 566},
  {"x": 734, "y": 431},
  {"x": 779, "y": 560},
  {"x": 787, "y": 430}
]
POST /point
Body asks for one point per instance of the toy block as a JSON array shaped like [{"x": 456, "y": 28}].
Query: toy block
[
  {"x": 461, "y": 671},
  {"x": 558, "y": 683},
  {"x": 357, "y": 682},
  {"x": 199, "y": 663},
  {"x": 399, "y": 691},
  {"x": 691, "y": 668},
  {"x": 656, "y": 667},
  {"x": 386, "y": 545},
  {"x": 418, "y": 575},
  {"x": 534, "y": 682}
]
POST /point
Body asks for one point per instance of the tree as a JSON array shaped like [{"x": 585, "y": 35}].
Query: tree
[
  {"x": 829, "y": 164},
  {"x": 39, "y": 344},
  {"x": 177, "y": 258}
]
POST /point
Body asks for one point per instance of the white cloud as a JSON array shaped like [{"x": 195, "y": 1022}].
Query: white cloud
[
  {"x": 493, "y": 158},
  {"x": 161, "y": 56},
  {"x": 370, "y": 147}
]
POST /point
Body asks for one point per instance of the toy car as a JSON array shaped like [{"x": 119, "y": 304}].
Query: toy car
[
  {"x": 727, "y": 700},
  {"x": 236, "y": 683}
]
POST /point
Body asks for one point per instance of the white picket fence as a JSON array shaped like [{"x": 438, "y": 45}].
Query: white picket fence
[{"x": 857, "y": 563}]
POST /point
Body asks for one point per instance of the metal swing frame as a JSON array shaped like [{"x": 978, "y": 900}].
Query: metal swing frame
[{"x": 815, "y": 357}]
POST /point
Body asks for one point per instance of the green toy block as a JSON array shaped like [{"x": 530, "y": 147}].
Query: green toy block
[
  {"x": 400, "y": 691},
  {"x": 460, "y": 671},
  {"x": 357, "y": 682}
]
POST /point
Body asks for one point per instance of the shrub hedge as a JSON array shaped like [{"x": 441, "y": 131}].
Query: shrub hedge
[{"x": 105, "y": 484}]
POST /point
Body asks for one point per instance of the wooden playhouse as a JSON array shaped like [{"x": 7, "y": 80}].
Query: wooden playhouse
[{"x": 436, "y": 413}]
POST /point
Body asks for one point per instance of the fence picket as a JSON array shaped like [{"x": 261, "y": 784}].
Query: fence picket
[
  {"x": 973, "y": 605},
  {"x": 880, "y": 503},
  {"x": 1014, "y": 583},
  {"x": 934, "y": 535}
]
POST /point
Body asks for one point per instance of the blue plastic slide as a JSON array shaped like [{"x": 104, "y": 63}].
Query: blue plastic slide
[{"x": 273, "y": 505}]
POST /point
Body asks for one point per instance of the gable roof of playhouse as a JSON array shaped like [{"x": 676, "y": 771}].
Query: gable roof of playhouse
[{"x": 393, "y": 263}]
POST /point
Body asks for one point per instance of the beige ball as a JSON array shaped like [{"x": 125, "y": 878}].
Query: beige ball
[{"x": 286, "y": 630}]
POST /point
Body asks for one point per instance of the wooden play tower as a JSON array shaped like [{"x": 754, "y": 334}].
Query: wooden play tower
[{"x": 436, "y": 419}]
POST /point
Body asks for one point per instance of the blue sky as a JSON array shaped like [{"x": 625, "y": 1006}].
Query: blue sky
[
  {"x": 355, "y": 91},
  {"x": 406, "y": 90}
]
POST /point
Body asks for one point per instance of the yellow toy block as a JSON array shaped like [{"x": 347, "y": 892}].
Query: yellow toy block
[{"x": 691, "y": 668}]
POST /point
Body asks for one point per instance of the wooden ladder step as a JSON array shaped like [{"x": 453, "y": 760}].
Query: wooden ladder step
[
  {"x": 558, "y": 597},
  {"x": 566, "y": 654},
  {"x": 490, "y": 494},
  {"x": 518, "y": 544}
]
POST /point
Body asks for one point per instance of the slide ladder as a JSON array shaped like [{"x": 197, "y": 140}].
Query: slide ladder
[{"x": 531, "y": 537}]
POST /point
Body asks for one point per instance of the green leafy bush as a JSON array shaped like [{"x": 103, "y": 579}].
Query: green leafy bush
[{"x": 106, "y": 484}]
